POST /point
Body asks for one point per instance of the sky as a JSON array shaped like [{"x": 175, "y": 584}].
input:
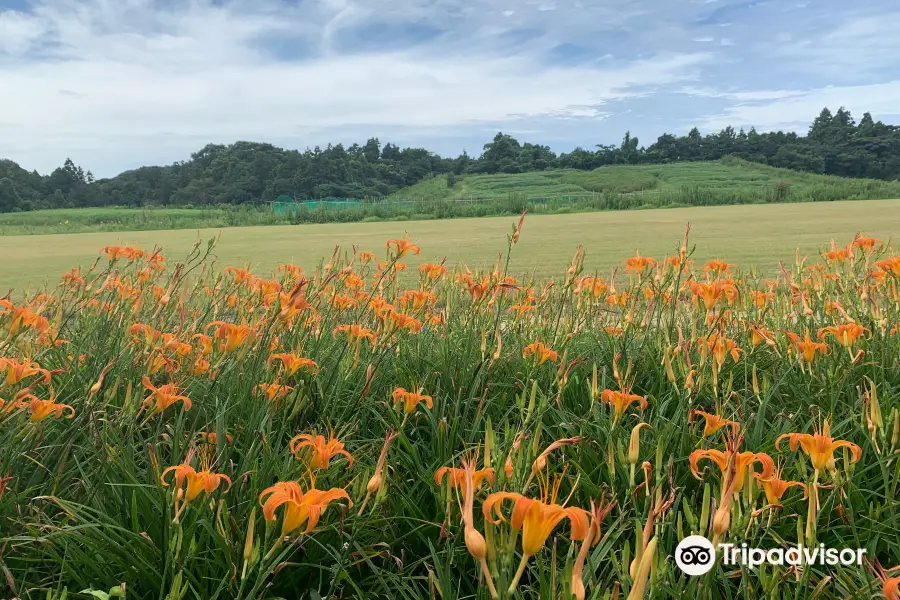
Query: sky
[{"x": 118, "y": 84}]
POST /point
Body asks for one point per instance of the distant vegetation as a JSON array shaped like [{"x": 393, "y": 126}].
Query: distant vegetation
[
  {"x": 727, "y": 181},
  {"x": 247, "y": 172},
  {"x": 620, "y": 187}
]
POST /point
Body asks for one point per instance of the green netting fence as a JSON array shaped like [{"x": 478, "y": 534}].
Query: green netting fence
[{"x": 287, "y": 205}]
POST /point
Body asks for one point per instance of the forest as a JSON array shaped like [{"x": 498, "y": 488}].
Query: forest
[{"x": 250, "y": 172}]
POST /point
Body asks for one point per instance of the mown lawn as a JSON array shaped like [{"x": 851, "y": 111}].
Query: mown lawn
[{"x": 757, "y": 234}]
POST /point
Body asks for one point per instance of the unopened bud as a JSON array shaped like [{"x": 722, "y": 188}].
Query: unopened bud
[
  {"x": 634, "y": 445},
  {"x": 374, "y": 483},
  {"x": 475, "y": 543},
  {"x": 722, "y": 520}
]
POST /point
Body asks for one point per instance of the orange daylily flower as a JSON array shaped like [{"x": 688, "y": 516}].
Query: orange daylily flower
[
  {"x": 762, "y": 298},
  {"x": 743, "y": 462},
  {"x": 807, "y": 348},
  {"x": 292, "y": 270},
  {"x": 596, "y": 286},
  {"x": 637, "y": 264},
  {"x": 536, "y": 518},
  {"x": 294, "y": 303},
  {"x": 117, "y": 252},
  {"x": 240, "y": 275},
  {"x": 411, "y": 399},
  {"x": 432, "y": 272},
  {"x": 200, "y": 367},
  {"x": 73, "y": 278},
  {"x": 711, "y": 293},
  {"x": 354, "y": 282},
  {"x": 23, "y": 316},
  {"x": 891, "y": 265},
  {"x": 321, "y": 451},
  {"x": 719, "y": 346},
  {"x": 776, "y": 487},
  {"x": 678, "y": 262},
  {"x": 846, "y": 334},
  {"x": 866, "y": 243},
  {"x": 819, "y": 446},
  {"x": 759, "y": 335},
  {"x": 401, "y": 321},
  {"x": 718, "y": 267},
  {"x": 197, "y": 482},
  {"x": 17, "y": 371},
  {"x": 402, "y": 247},
  {"x": 837, "y": 254},
  {"x": 293, "y": 363},
  {"x": 273, "y": 391},
  {"x": 521, "y": 309},
  {"x": 541, "y": 352},
  {"x": 356, "y": 333},
  {"x": 621, "y": 400},
  {"x": 232, "y": 335},
  {"x": 342, "y": 302},
  {"x": 163, "y": 397},
  {"x": 456, "y": 478},
  {"x": 417, "y": 298},
  {"x": 479, "y": 290},
  {"x": 41, "y": 409},
  {"x": 890, "y": 586},
  {"x": 713, "y": 423},
  {"x": 299, "y": 507}
]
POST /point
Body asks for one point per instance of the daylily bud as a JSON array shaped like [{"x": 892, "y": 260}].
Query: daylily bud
[
  {"x": 374, "y": 483},
  {"x": 722, "y": 520},
  {"x": 643, "y": 571},
  {"x": 667, "y": 362},
  {"x": 634, "y": 445},
  {"x": 689, "y": 380},
  {"x": 248, "y": 542},
  {"x": 895, "y": 436},
  {"x": 475, "y": 543}
]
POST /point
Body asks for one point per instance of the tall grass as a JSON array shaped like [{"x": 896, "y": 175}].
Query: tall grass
[{"x": 84, "y": 504}]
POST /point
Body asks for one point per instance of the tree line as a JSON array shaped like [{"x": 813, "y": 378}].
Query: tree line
[{"x": 246, "y": 172}]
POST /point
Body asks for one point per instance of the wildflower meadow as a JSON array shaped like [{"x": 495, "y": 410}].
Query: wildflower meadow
[{"x": 175, "y": 430}]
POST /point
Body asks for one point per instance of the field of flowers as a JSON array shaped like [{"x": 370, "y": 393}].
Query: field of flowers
[{"x": 370, "y": 431}]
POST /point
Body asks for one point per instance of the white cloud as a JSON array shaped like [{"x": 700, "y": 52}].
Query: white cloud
[
  {"x": 857, "y": 45},
  {"x": 120, "y": 76},
  {"x": 18, "y": 32},
  {"x": 795, "y": 110}
]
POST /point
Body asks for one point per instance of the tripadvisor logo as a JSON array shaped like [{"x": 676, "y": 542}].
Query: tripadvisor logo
[{"x": 695, "y": 555}]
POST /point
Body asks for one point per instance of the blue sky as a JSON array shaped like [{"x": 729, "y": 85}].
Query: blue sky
[{"x": 116, "y": 84}]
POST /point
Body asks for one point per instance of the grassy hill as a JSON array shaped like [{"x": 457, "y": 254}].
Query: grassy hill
[{"x": 726, "y": 181}]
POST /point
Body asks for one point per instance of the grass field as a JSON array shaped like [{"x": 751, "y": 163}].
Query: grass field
[
  {"x": 755, "y": 234},
  {"x": 724, "y": 179},
  {"x": 623, "y": 187},
  {"x": 85, "y": 220}
]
